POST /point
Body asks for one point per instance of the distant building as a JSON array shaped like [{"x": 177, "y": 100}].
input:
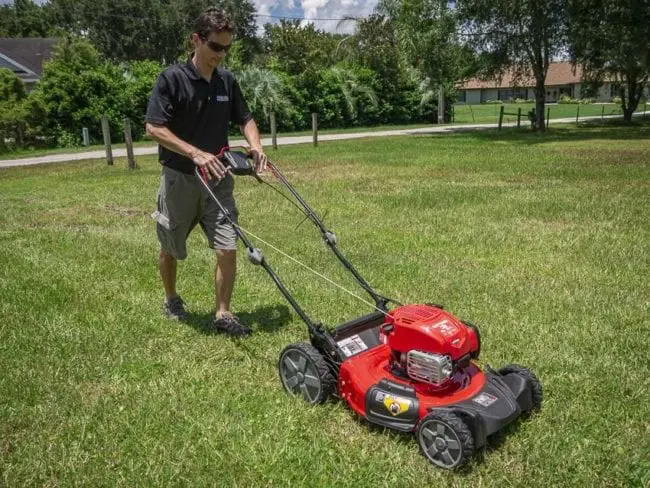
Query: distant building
[
  {"x": 25, "y": 56},
  {"x": 561, "y": 79}
]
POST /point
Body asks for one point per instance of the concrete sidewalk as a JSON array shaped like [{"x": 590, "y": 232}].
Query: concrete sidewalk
[{"x": 282, "y": 141}]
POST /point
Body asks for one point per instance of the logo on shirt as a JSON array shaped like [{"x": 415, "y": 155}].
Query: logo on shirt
[{"x": 222, "y": 98}]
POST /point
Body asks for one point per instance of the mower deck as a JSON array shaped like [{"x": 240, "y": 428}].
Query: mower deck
[{"x": 366, "y": 382}]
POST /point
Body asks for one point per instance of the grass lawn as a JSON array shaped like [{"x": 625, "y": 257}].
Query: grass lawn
[
  {"x": 488, "y": 113},
  {"x": 543, "y": 241}
]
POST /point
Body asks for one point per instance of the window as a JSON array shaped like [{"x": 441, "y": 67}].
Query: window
[{"x": 505, "y": 94}]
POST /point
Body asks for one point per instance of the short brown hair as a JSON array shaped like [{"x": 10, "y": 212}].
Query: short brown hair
[{"x": 213, "y": 19}]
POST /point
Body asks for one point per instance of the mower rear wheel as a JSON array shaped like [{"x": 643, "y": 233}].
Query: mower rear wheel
[
  {"x": 528, "y": 375},
  {"x": 445, "y": 439},
  {"x": 303, "y": 371}
]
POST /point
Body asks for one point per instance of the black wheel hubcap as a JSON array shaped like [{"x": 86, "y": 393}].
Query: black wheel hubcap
[
  {"x": 441, "y": 444},
  {"x": 300, "y": 376}
]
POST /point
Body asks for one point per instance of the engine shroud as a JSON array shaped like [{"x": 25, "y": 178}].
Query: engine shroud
[{"x": 429, "y": 329}]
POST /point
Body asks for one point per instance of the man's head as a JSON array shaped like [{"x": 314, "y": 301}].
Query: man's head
[{"x": 212, "y": 36}]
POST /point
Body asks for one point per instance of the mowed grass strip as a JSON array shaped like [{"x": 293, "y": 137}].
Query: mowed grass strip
[{"x": 541, "y": 241}]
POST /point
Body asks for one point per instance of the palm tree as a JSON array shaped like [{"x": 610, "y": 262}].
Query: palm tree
[
  {"x": 263, "y": 89},
  {"x": 351, "y": 88}
]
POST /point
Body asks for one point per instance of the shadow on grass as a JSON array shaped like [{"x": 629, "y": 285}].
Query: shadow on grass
[
  {"x": 266, "y": 319},
  {"x": 610, "y": 130}
]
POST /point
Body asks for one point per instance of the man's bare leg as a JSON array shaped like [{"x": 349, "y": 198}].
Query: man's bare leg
[
  {"x": 167, "y": 266},
  {"x": 173, "y": 305},
  {"x": 224, "y": 280}
]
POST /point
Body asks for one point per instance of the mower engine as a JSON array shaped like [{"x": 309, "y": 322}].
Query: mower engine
[{"x": 428, "y": 344}]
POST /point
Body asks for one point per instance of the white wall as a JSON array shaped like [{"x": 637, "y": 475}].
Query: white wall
[{"x": 473, "y": 96}]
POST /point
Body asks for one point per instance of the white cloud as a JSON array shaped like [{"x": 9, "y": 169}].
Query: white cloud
[{"x": 316, "y": 9}]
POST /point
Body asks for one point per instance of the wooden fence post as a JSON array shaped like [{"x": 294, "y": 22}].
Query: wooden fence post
[
  {"x": 106, "y": 131},
  {"x": 274, "y": 131},
  {"x": 314, "y": 127},
  {"x": 519, "y": 118},
  {"x": 602, "y": 114},
  {"x": 85, "y": 136},
  {"x": 129, "y": 143},
  {"x": 578, "y": 115},
  {"x": 548, "y": 117},
  {"x": 501, "y": 117}
]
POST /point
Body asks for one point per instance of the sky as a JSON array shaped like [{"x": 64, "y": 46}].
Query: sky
[
  {"x": 316, "y": 9},
  {"x": 309, "y": 9}
]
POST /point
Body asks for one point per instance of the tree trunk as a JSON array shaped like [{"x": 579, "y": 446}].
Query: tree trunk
[
  {"x": 540, "y": 103},
  {"x": 632, "y": 97}
]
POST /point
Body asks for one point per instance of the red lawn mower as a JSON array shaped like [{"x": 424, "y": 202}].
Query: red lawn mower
[{"x": 410, "y": 368}]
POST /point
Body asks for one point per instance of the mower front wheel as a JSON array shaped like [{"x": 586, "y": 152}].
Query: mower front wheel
[
  {"x": 445, "y": 439},
  {"x": 303, "y": 371}
]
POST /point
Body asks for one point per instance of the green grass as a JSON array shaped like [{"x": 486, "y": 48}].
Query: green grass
[
  {"x": 488, "y": 113},
  {"x": 543, "y": 241}
]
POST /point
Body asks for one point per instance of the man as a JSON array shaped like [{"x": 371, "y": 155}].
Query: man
[{"x": 188, "y": 115}]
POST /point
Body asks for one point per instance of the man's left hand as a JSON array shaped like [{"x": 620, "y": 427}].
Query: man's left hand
[{"x": 260, "y": 159}]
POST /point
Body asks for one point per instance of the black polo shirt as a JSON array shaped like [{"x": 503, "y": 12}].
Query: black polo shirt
[{"x": 195, "y": 110}]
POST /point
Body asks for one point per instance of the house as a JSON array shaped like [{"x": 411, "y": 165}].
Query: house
[
  {"x": 25, "y": 56},
  {"x": 562, "y": 79}
]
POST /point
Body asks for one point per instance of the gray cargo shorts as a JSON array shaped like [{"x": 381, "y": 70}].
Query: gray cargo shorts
[{"x": 183, "y": 202}]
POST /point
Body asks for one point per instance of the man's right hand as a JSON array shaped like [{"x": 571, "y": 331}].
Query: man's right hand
[{"x": 209, "y": 163}]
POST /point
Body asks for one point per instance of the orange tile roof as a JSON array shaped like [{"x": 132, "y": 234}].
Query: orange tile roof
[{"x": 558, "y": 74}]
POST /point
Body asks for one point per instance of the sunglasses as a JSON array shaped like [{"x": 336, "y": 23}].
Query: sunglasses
[{"x": 216, "y": 47}]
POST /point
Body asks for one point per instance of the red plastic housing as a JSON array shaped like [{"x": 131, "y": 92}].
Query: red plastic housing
[
  {"x": 364, "y": 370},
  {"x": 430, "y": 329},
  {"x": 424, "y": 328}
]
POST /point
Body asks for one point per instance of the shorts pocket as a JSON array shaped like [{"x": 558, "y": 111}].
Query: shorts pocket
[{"x": 162, "y": 219}]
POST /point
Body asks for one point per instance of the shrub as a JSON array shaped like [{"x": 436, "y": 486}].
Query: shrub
[
  {"x": 66, "y": 138},
  {"x": 564, "y": 98},
  {"x": 140, "y": 78},
  {"x": 77, "y": 89}
]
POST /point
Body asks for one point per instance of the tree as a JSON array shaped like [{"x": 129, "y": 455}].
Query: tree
[
  {"x": 24, "y": 18},
  {"x": 12, "y": 95},
  {"x": 140, "y": 78},
  {"x": 610, "y": 39},
  {"x": 428, "y": 37},
  {"x": 374, "y": 46},
  {"x": 123, "y": 30},
  {"x": 264, "y": 92},
  {"x": 77, "y": 88},
  {"x": 352, "y": 89},
  {"x": 517, "y": 35},
  {"x": 297, "y": 49}
]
